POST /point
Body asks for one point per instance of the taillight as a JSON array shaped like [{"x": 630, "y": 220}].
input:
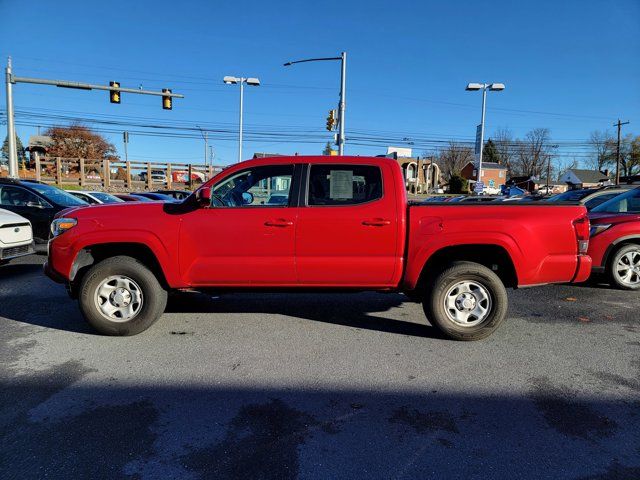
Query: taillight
[{"x": 582, "y": 226}]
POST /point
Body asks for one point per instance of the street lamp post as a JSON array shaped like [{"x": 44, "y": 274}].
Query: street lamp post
[
  {"x": 343, "y": 93},
  {"x": 494, "y": 87},
  {"x": 254, "y": 82}
]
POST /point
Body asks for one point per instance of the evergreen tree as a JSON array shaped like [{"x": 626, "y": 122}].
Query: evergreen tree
[
  {"x": 490, "y": 152},
  {"x": 4, "y": 156},
  {"x": 327, "y": 149}
]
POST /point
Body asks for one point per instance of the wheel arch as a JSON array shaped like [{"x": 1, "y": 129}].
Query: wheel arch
[
  {"x": 494, "y": 257},
  {"x": 92, "y": 254},
  {"x": 617, "y": 245}
]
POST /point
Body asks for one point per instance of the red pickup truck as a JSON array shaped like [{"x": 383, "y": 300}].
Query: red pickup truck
[{"x": 326, "y": 223}]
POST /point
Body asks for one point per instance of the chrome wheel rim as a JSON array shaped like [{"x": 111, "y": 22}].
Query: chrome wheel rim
[
  {"x": 627, "y": 268},
  {"x": 468, "y": 303},
  {"x": 118, "y": 298}
]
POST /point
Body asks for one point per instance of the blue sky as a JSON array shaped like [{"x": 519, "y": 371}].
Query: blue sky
[{"x": 571, "y": 66}]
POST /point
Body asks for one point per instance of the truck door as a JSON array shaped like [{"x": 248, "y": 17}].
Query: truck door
[
  {"x": 347, "y": 230},
  {"x": 247, "y": 235}
]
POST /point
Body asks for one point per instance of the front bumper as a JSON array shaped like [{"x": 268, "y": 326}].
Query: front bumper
[
  {"x": 8, "y": 253},
  {"x": 52, "y": 274}
]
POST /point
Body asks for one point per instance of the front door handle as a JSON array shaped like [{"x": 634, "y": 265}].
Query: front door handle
[
  {"x": 376, "y": 222},
  {"x": 279, "y": 222}
]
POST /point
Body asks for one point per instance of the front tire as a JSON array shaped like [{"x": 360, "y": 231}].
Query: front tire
[
  {"x": 466, "y": 301},
  {"x": 624, "y": 268},
  {"x": 120, "y": 296}
]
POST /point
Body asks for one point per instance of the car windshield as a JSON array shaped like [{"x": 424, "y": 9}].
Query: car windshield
[
  {"x": 56, "y": 195},
  {"x": 628, "y": 202},
  {"x": 571, "y": 195}
]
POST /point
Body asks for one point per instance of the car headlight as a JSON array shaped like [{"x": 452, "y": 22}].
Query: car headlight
[
  {"x": 61, "y": 225},
  {"x": 598, "y": 228}
]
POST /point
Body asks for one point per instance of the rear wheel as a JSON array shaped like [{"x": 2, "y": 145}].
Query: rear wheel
[
  {"x": 624, "y": 268},
  {"x": 467, "y": 301},
  {"x": 121, "y": 296}
]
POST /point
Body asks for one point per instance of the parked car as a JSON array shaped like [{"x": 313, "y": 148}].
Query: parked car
[
  {"x": 16, "y": 236},
  {"x": 157, "y": 176},
  {"x": 176, "y": 194},
  {"x": 131, "y": 197},
  {"x": 95, "y": 198},
  {"x": 156, "y": 197},
  {"x": 347, "y": 225},
  {"x": 37, "y": 202},
  {"x": 615, "y": 240},
  {"x": 589, "y": 197}
]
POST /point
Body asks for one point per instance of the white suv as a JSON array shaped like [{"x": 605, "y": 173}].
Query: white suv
[{"x": 16, "y": 237}]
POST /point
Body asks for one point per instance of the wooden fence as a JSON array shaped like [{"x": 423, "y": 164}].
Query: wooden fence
[{"x": 115, "y": 174}]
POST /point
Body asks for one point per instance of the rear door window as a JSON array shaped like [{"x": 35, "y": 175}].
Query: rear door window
[{"x": 343, "y": 184}]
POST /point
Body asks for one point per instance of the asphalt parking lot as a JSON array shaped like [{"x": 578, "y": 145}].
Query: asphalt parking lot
[{"x": 276, "y": 386}]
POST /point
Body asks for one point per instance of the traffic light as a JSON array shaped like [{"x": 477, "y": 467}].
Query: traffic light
[
  {"x": 166, "y": 100},
  {"x": 331, "y": 120},
  {"x": 114, "y": 95}
]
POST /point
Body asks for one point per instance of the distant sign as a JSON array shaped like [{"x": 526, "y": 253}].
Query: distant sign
[
  {"x": 479, "y": 187},
  {"x": 478, "y": 139}
]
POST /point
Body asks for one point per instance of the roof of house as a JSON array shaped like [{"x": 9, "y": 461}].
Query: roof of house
[
  {"x": 490, "y": 166},
  {"x": 588, "y": 176}
]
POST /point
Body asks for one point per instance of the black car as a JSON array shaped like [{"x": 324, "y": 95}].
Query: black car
[
  {"x": 156, "y": 196},
  {"x": 38, "y": 202},
  {"x": 177, "y": 194}
]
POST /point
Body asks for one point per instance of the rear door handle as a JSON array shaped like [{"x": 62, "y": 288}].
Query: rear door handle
[
  {"x": 279, "y": 222},
  {"x": 376, "y": 222}
]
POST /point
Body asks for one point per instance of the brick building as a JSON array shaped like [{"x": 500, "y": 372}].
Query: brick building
[{"x": 494, "y": 176}]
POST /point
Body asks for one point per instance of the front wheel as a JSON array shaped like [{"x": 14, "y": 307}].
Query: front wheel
[
  {"x": 624, "y": 268},
  {"x": 467, "y": 301},
  {"x": 121, "y": 296}
]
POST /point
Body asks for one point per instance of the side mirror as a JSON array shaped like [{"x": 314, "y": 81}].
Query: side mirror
[
  {"x": 203, "y": 196},
  {"x": 247, "y": 198}
]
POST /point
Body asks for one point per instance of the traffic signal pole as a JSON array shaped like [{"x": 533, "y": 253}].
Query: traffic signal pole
[
  {"x": 343, "y": 102},
  {"x": 11, "y": 79}
]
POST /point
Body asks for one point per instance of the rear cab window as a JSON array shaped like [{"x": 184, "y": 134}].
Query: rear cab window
[{"x": 336, "y": 185}]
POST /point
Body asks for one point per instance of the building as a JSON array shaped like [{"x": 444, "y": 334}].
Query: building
[
  {"x": 421, "y": 175},
  {"x": 578, "y": 178},
  {"x": 494, "y": 176},
  {"x": 534, "y": 184}
]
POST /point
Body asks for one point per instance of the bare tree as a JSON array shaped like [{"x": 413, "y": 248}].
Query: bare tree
[
  {"x": 603, "y": 154},
  {"x": 453, "y": 159},
  {"x": 629, "y": 155},
  {"x": 532, "y": 153},
  {"x": 503, "y": 141}
]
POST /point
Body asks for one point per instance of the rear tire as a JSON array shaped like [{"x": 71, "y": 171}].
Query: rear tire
[
  {"x": 466, "y": 301},
  {"x": 120, "y": 296},
  {"x": 623, "y": 270}
]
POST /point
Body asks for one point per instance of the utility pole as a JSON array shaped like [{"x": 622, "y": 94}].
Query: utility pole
[
  {"x": 205, "y": 137},
  {"x": 11, "y": 127},
  {"x": 619, "y": 124}
]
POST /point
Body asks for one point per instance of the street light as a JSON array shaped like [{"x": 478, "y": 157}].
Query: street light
[
  {"x": 254, "y": 82},
  {"x": 472, "y": 87},
  {"x": 343, "y": 93}
]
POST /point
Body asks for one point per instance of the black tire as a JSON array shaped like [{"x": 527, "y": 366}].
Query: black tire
[
  {"x": 154, "y": 297},
  {"x": 436, "y": 294},
  {"x": 614, "y": 279}
]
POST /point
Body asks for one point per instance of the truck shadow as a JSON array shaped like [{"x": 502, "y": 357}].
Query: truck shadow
[{"x": 356, "y": 310}]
